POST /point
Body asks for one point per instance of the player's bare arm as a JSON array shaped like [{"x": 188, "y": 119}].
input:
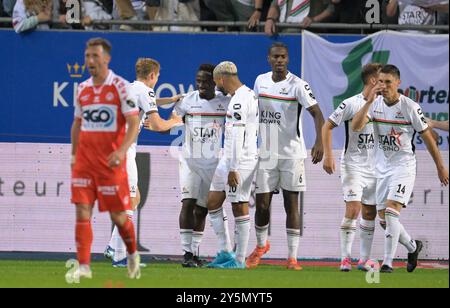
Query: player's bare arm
[
  {"x": 435, "y": 154},
  {"x": 118, "y": 156},
  {"x": 329, "y": 164},
  {"x": 169, "y": 100},
  {"x": 155, "y": 123},
  {"x": 75, "y": 132},
  {"x": 361, "y": 118},
  {"x": 317, "y": 149}
]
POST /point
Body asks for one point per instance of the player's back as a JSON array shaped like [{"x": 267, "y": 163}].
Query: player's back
[
  {"x": 243, "y": 111},
  {"x": 102, "y": 110}
]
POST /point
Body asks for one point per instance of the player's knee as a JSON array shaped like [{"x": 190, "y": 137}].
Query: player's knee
[
  {"x": 394, "y": 205},
  {"x": 369, "y": 212}
]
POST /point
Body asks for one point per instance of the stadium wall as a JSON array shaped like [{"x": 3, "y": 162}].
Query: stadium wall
[{"x": 38, "y": 77}]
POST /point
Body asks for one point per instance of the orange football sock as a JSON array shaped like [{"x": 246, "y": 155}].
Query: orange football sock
[
  {"x": 128, "y": 236},
  {"x": 84, "y": 238}
]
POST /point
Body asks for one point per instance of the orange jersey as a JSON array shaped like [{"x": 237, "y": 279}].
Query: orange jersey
[{"x": 102, "y": 110}]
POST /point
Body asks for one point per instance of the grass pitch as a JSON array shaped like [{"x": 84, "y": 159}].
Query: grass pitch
[{"x": 44, "y": 274}]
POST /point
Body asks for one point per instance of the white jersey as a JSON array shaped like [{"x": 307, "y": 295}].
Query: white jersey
[
  {"x": 145, "y": 99},
  {"x": 241, "y": 130},
  {"x": 359, "y": 150},
  {"x": 204, "y": 121},
  {"x": 395, "y": 128},
  {"x": 281, "y": 111}
]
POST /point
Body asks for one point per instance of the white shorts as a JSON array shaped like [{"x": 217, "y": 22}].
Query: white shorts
[
  {"x": 359, "y": 186},
  {"x": 397, "y": 185},
  {"x": 132, "y": 172},
  {"x": 195, "y": 182},
  {"x": 242, "y": 192},
  {"x": 288, "y": 174}
]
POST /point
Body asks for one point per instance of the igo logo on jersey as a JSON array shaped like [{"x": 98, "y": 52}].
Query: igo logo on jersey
[{"x": 99, "y": 118}]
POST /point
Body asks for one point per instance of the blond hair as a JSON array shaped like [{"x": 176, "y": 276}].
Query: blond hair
[
  {"x": 226, "y": 68},
  {"x": 145, "y": 66}
]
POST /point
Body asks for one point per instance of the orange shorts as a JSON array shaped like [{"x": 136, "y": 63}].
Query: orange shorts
[{"x": 110, "y": 189}]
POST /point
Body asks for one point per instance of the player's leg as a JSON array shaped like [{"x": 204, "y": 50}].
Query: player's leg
[
  {"x": 219, "y": 222},
  {"x": 367, "y": 230},
  {"x": 348, "y": 231},
  {"x": 239, "y": 197},
  {"x": 186, "y": 223},
  {"x": 200, "y": 213},
  {"x": 267, "y": 180},
  {"x": 84, "y": 238},
  {"x": 84, "y": 194},
  {"x": 292, "y": 181},
  {"x": 119, "y": 248},
  {"x": 400, "y": 189},
  {"x": 291, "y": 206}
]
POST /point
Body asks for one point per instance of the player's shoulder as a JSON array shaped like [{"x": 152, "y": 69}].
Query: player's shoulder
[
  {"x": 191, "y": 96},
  {"x": 408, "y": 103},
  {"x": 354, "y": 100},
  {"x": 263, "y": 78},
  {"x": 117, "y": 80},
  {"x": 295, "y": 81}
]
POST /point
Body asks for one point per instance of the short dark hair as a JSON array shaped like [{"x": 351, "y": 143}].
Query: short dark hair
[
  {"x": 278, "y": 45},
  {"x": 209, "y": 68},
  {"x": 391, "y": 69},
  {"x": 370, "y": 70},
  {"x": 98, "y": 41}
]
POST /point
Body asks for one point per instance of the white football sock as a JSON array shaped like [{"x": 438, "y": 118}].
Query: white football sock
[
  {"x": 348, "y": 231},
  {"x": 262, "y": 233},
  {"x": 243, "y": 234},
  {"x": 367, "y": 230},
  {"x": 293, "y": 238},
  {"x": 219, "y": 221},
  {"x": 186, "y": 239},
  {"x": 393, "y": 229},
  {"x": 196, "y": 240}
]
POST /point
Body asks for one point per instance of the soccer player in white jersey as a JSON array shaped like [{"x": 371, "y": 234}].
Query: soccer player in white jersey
[
  {"x": 142, "y": 95},
  {"x": 396, "y": 119},
  {"x": 204, "y": 113},
  {"x": 234, "y": 174},
  {"x": 357, "y": 171},
  {"x": 282, "y": 99}
]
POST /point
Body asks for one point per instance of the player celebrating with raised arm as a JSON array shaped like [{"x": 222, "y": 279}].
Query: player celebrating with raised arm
[
  {"x": 234, "y": 174},
  {"x": 396, "y": 119},
  {"x": 141, "y": 94},
  {"x": 282, "y": 98},
  {"x": 357, "y": 171},
  {"x": 100, "y": 141},
  {"x": 204, "y": 113}
]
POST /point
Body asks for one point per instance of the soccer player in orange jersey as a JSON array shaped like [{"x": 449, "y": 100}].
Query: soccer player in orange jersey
[{"x": 100, "y": 140}]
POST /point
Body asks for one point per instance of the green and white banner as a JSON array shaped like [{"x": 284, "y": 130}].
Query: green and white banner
[{"x": 334, "y": 70}]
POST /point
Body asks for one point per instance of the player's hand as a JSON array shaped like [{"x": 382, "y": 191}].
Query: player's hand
[
  {"x": 254, "y": 20},
  {"x": 177, "y": 98},
  {"x": 116, "y": 158},
  {"x": 329, "y": 164},
  {"x": 176, "y": 118},
  {"x": 233, "y": 179},
  {"x": 317, "y": 152},
  {"x": 373, "y": 94},
  {"x": 443, "y": 175}
]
